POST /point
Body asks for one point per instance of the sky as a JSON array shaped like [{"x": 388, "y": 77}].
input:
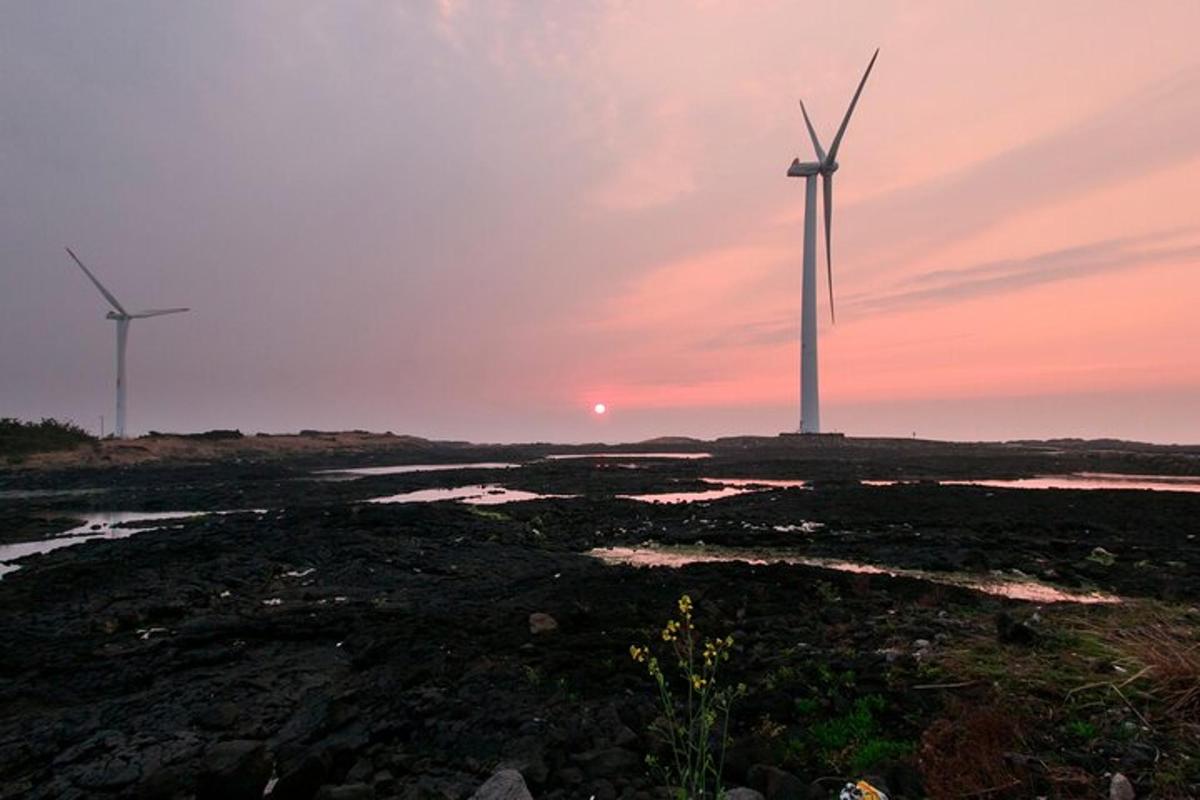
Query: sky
[{"x": 476, "y": 220}]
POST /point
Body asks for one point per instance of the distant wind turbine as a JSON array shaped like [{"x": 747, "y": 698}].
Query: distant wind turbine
[
  {"x": 122, "y": 318},
  {"x": 825, "y": 165}
]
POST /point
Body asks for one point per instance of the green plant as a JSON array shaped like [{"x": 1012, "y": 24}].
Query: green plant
[
  {"x": 1081, "y": 729},
  {"x": 692, "y": 718}
]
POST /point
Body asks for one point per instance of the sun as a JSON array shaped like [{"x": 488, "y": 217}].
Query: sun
[{"x": 600, "y": 408}]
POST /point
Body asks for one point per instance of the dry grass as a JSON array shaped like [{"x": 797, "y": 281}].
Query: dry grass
[
  {"x": 1165, "y": 657},
  {"x": 965, "y": 754}
]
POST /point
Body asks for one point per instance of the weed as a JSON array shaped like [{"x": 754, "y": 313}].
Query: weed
[{"x": 692, "y": 720}]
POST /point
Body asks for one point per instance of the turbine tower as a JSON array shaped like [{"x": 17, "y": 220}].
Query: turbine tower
[
  {"x": 122, "y": 318},
  {"x": 825, "y": 165}
]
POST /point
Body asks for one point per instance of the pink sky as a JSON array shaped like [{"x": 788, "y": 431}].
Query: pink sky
[{"x": 476, "y": 220}]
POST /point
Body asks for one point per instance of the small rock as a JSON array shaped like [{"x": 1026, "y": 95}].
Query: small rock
[
  {"x": 1120, "y": 788},
  {"x": 742, "y": 793},
  {"x": 1012, "y": 631},
  {"x": 542, "y": 623},
  {"x": 507, "y": 784},
  {"x": 1102, "y": 557}
]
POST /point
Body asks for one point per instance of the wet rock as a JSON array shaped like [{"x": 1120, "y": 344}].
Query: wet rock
[
  {"x": 607, "y": 762},
  {"x": 1120, "y": 788},
  {"x": 775, "y": 783},
  {"x": 349, "y": 791},
  {"x": 234, "y": 770},
  {"x": 507, "y": 784},
  {"x": 1013, "y": 631},
  {"x": 542, "y": 623}
]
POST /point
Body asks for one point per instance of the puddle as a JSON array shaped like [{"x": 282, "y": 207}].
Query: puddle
[
  {"x": 31, "y": 494},
  {"x": 687, "y": 497},
  {"x": 728, "y": 487},
  {"x": 405, "y": 468},
  {"x": 685, "y": 456},
  {"x": 1027, "y": 590},
  {"x": 750, "y": 483},
  {"x": 97, "y": 525},
  {"x": 477, "y": 495},
  {"x": 1093, "y": 480}
]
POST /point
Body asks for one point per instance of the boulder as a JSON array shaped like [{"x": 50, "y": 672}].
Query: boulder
[
  {"x": 775, "y": 783},
  {"x": 607, "y": 761},
  {"x": 507, "y": 784},
  {"x": 236, "y": 770}
]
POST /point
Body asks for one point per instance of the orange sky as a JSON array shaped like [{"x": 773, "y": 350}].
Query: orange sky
[{"x": 477, "y": 220}]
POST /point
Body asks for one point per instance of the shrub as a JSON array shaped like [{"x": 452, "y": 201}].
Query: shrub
[{"x": 19, "y": 438}]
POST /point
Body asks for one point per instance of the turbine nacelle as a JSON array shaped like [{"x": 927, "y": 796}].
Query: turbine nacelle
[{"x": 803, "y": 169}]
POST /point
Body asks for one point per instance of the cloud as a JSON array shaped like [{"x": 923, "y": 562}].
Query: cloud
[
  {"x": 1154, "y": 128},
  {"x": 1007, "y": 275}
]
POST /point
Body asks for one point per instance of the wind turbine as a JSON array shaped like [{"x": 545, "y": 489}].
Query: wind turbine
[
  {"x": 122, "y": 318},
  {"x": 825, "y": 165}
]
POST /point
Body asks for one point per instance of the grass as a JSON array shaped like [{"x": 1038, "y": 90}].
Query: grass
[{"x": 1116, "y": 674}]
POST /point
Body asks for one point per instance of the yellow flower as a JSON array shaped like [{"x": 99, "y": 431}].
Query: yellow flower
[
  {"x": 637, "y": 653},
  {"x": 685, "y": 604},
  {"x": 698, "y": 682},
  {"x": 669, "y": 632}
]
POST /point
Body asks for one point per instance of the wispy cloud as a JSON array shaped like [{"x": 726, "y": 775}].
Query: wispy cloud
[
  {"x": 1006, "y": 275},
  {"x": 1154, "y": 128}
]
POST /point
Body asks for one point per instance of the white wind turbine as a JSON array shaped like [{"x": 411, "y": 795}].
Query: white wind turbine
[
  {"x": 122, "y": 318},
  {"x": 825, "y": 165}
]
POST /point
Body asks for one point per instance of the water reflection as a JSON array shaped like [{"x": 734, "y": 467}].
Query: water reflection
[
  {"x": 96, "y": 525},
  {"x": 1028, "y": 590},
  {"x": 750, "y": 483},
  {"x": 685, "y": 456},
  {"x": 1093, "y": 480},
  {"x": 477, "y": 495},
  {"x": 687, "y": 497},
  {"x": 405, "y": 468}
]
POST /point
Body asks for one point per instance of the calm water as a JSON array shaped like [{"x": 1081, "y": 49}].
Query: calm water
[
  {"x": 1093, "y": 480},
  {"x": 1028, "y": 590},
  {"x": 404, "y": 468},
  {"x": 686, "y": 497},
  {"x": 477, "y": 495},
  {"x": 96, "y": 525},
  {"x": 685, "y": 456}
]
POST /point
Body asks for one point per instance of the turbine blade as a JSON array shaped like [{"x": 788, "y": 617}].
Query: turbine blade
[
  {"x": 827, "y": 184},
  {"x": 156, "y": 312},
  {"x": 837, "y": 140},
  {"x": 816, "y": 142},
  {"x": 107, "y": 295}
]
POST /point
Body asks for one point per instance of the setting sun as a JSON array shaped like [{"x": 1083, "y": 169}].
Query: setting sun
[{"x": 600, "y": 408}]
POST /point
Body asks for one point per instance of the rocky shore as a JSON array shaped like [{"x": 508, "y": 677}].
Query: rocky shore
[{"x": 315, "y": 644}]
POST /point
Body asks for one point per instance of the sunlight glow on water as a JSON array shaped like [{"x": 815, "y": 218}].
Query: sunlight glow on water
[
  {"x": 405, "y": 468},
  {"x": 1028, "y": 590},
  {"x": 685, "y": 456},
  {"x": 96, "y": 525},
  {"x": 1093, "y": 480}
]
